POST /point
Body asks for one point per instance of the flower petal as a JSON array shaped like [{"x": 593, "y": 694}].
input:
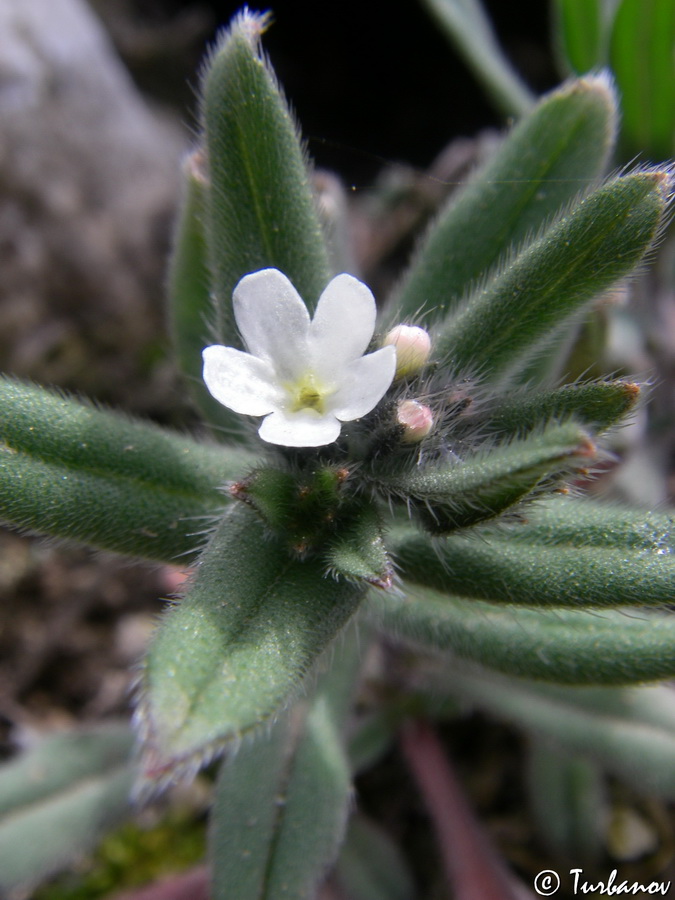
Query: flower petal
[
  {"x": 273, "y": 320},
  {"x": 343, "y": 324},
  {"x": 363, "y": 384},
  {"x": 243, "y": 383},
  {"x": 305, "y": 428}
]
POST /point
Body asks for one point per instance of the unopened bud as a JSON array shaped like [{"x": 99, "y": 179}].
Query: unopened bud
[
  {"x": 413, "y": 346},
  {"x": 417, "y": 420}
]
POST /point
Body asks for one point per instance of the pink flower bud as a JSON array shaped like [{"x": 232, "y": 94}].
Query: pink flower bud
[
  {"x": 417, "y": 420},
  {"x": 413, "y": 346}
]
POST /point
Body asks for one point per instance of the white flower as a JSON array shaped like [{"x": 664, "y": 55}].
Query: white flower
[{"x": 305, "y": 376}]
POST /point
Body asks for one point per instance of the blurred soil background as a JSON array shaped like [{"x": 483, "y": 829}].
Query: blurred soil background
[{"x": 97, "y": 109}]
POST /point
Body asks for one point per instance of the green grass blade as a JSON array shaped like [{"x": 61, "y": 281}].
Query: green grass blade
[
  {"x": 579, "y": 34},
  {"x": 371, "y": 866},
  {"x": 643, "y": 61},
  {"x": 469, "y": 29},
  {"x": 568, "y": 799}
]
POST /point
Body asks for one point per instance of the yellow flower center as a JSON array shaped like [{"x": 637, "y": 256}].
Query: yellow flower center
[{"x": 306, "y": 394}]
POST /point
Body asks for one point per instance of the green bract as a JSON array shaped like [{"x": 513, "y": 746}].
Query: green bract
[{"x": 459, "y": 538}]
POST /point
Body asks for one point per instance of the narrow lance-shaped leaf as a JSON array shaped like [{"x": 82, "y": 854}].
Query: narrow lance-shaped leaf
[
  {"x": 467, "y": 25},
  {"x": 248, "y": 804},
  {"x": 190, "y": 303},
  {"x": 492, "y": 567},
  {"x": 261, "y": 211},
  {"x": 562, "y": 646},
  {"x": 281, "y": 805},
  {"x": 555, "y": 153},
  {"x": 189, "y": 288},
  {"x": 70, "y": 470},
  {"x": 579, "y": 33},
  {"x": 657, "y": 710},
  {"x": 629, "y": 731},
  {"x": 576, "y": 522},
  {"x": 234, "y": 652},
  {"x": 557, "y": 276},
  {"x": 574, "y": 350},
  {"x": 642, "y": 58},
  {"x": 459, "y": 494},
  {"x": 598, "y": 404},
  {"x": 57, "y": 799},
  {"x": 371, "y": 866},
  {"x": 567, "y": 796}
]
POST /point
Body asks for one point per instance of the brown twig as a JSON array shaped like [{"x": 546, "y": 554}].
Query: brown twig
[{"x": 472, "y": 865}]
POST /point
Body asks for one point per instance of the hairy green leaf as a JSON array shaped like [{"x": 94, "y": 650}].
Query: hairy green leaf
[
  {"x": 629, "y": 732},
  {"x": 598, "y": 404},
  {"x": 71, "y": 470},
  {"x": 462, "y": 493},
  {"x": 555, "y": 278},
  {"x": 576, "y": 522},
  {"x": 260, "y": 211},
  {"x": 492, "y": 567},
  {"x": 554, "y": 154},
  {"x": 281, "y": 805},
  {"x": 561, "y": 645},
  {"x": 234, "y": 652},
  {"x": 189, "y": 296},
  {"x": 58, "y": 798},
  {"x": 62, "y": 760},
  {"x": 357, "y": 551}
]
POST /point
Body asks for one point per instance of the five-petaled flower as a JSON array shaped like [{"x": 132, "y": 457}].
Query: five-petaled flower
[{"x": 306, "y": 376}]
